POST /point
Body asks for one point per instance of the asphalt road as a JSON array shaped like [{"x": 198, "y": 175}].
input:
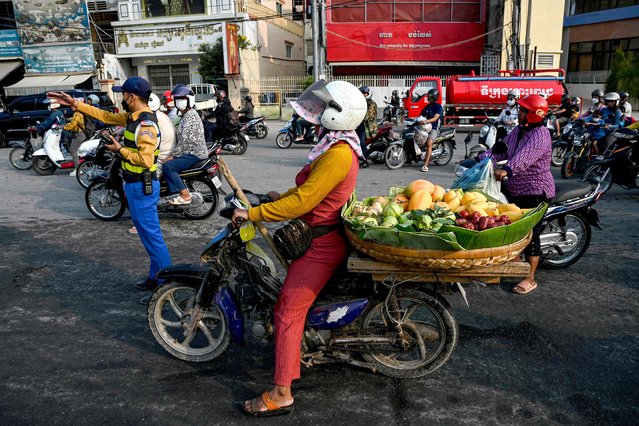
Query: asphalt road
[{"x": 76, "y": 347}]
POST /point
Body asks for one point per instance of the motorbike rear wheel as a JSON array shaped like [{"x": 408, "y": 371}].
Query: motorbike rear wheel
[
  {"x": 395, "y": 157},
  {"x": 17, "y": 158},
  {"x": 209, "y": 194},
  {"x": 43, "y": 166},
  {"x": 261, "y": 131},
  {"x": 284, "y": 140},
  {"x": 569, "y": 167},
  {"x": 240, "y": 145},
  {"x": 170, "y": 310},
  {"x": 596, "y": 174},
  {"x": 104, "y": 203},
  {"x": 573, "y": 240},
  {"x": 431, "y": 330},
  {"x": 557, "y": 157},
  {"x": 446, "y": 154}
]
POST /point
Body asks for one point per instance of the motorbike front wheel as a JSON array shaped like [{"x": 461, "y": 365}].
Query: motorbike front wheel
[
  {"x": 395, "y": 157},
  {"x": 430, "y": 333},
  {"x": 557, "y": 156},
  {"x": 18, "y": 160},
  {"x": 240, "y": 145},
  {"x": 445, "y": 155},
  {"x": 86, "y": 171},
  {"x": 170, "y": 315},
  {"x": 207, "y": 191},
  {"x": 43, "y": 166},
  {"x": 261, "y": 131},
  {"x": 103, "y": 202},
  {"x": 564, "y": 240},
  {"x": 600, "y": 174},
  {"x": 569, "y": 167},
  {"x": 284, "y": 140}
]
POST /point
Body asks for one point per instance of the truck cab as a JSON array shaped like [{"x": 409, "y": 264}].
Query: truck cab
[{"x": 416, "y": 98}]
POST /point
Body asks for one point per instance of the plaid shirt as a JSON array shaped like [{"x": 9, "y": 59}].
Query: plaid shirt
[{"x": 76, "y": 124}]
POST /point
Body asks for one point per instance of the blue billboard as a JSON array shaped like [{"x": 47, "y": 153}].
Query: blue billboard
[{"x": 10, "y": 44}]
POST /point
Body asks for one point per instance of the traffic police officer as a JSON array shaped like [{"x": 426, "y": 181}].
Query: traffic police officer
[{"x": 139, "y": 161}]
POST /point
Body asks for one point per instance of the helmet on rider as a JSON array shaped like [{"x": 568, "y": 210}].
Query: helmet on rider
[
  {"x": 535, "y": 107},
  {"x": 575, "y": 101},
  {"x": 366, "y": 91},
  {"x": 597, "y": 93},
  {"x": 95, "y": 101},
  {"x": 219, "y": 95},
  {"x": 433, "y": 95},
  {"x": 337, "y": 105},
  {"x": 183, "y": 92},
  {"x": 623, "y": 96},
  {"x": 154, "y": 102},
  {"x": 247, "y": 98},
  {"x": 612, "y": 97},
  {"x": 167, "y": 99},
  {"x": 395, "y": 93},
  {"x": 512, "y": 97}
]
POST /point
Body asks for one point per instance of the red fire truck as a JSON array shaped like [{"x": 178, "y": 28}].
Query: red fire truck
[{"x": 470, "y": 99}]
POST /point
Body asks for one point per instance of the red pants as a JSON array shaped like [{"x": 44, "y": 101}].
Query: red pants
[{"x": 306, "y": 276}]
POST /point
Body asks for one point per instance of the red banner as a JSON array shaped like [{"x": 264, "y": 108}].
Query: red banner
[
  {"x": 232, "y": 58},
  {"x": 403, "y": 41}
]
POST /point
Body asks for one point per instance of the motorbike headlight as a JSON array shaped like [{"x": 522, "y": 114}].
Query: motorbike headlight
[
  {"x": 567, "y": 129},
  {"x": 393, "y": 135}
]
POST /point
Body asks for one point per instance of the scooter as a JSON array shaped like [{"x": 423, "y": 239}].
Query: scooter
[
  {"x": 377, "y": 145},
  {"x": 392, "y": 112},
  {"x": 287, "y": 135},
  {"x": 96, "y": 156},
  {"x": 255, "y": 127},
  {"x": 49, "y": 158},
  {"x": 488, "y": 135},
  {"x": 619, "y": 163},
  {"x": 402, "y": 150},
  {"x": 21, "y": 156}
]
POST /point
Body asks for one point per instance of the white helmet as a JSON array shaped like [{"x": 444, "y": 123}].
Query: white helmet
[
  {"x": 154, "y": 102},
  {"x": 337, "y": 105},
  {"x": 94, "y": 99},
  {"x": 514, "y": 93}
]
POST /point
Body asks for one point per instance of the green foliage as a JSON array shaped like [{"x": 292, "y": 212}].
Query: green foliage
[
  {"x": 308, "y": 81},
  {"x": 244, "y": 43},
  {"x": 624, "y": 73},
  {"x": 211, "y": 61}
]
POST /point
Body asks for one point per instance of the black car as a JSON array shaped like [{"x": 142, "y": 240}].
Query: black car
[{"x": 27, "y": 110}]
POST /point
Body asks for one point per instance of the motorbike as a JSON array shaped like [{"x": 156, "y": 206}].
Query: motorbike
[
  {"x": 96, "y": 156},
  {"x": 396, "y": 329},
  {"x": 255, "y": 127},
  {"x": 232, "y": 139},
  {"x": 287, "y": 135},
  {"x": 21, "y": 156},
  {"x": 619, "y": 163},
  {"x": 49, "y": 158},
  {"x": 106, "y": 200},
  {"x": 487, "y": 137},
  {"x": 402, "y": 150},
  {"x": 566, "y": 228},
  {"x": 580, "y": 152},
  {"x": 392, "y": 113},
  {"x": 561, "y": 145},
  {"x": 377, "y": 144}
]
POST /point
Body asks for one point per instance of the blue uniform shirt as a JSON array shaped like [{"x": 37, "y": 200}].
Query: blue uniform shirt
[{"x": 431, "y": 110}]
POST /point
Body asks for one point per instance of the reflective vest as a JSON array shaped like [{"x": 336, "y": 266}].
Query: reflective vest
[{"x": 130, "y": 142}]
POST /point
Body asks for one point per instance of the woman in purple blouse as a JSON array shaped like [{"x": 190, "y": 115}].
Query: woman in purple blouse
[{"x": 526, "y": 179}]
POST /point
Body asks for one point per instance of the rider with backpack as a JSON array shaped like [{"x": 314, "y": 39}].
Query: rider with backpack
[{"x": 214, "y": 131}]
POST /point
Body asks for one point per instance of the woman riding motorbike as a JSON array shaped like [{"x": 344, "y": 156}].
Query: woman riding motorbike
[
  {"x": 247, "y": 111},
  {"x": 323, "y": 186},
  {"x": 526, "y": 180}
]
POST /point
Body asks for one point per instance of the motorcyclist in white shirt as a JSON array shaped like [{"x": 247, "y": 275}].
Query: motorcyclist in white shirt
[
  {"x": 624, "y": 105},
  {"x": 508, "y": 116}
]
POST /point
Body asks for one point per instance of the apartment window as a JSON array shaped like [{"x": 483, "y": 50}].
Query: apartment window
[
  {"x": 597, "y": 55},
  {"x": 578, "y": 7},
  {"x": 278, "y": 8},
  {"x": 155, "y": 8},
  {"x": 289, "y": 50},
  {"x": 406, "y": 10}
]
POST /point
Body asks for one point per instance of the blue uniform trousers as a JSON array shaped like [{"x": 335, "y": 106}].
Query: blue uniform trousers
[{"x": 144, "y": 214}]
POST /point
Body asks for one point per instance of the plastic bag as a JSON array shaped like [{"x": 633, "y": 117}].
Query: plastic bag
[{"x": 481, "y": 177}]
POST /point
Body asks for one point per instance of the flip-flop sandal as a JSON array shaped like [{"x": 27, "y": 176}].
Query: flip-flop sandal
[
  {"x": 179, "y": 201},
  {"x": 133, "y": 230},
  {"x": 526, "y": 287},
  {"x": 425, "y": 169},
  {"x": 272, "y": 407}
]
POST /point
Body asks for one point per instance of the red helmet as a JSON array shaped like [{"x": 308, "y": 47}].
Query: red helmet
[
  {"x": 537, "y": 108},
  {"x": 167, "y": 98}
]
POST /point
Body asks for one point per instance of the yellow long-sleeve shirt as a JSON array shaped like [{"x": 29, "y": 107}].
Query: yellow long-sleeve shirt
[
  {"x": 327, "y": 172},
  {"x": 147, "y": 139},
  {"x": 76, "y": 124}
]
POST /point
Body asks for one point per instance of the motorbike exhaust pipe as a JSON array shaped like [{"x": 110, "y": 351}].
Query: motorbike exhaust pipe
[{"x": 229, "y": 147}]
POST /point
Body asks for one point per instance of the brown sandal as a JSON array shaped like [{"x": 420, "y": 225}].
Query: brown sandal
[
  {"x": 272, "y": 407},
  {"x": 525, "y": 286}
]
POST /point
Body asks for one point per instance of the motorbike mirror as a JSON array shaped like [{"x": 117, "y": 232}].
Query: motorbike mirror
[{"x": 468, "y": 138}]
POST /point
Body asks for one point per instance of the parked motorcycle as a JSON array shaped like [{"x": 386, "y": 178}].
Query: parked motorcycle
[
  {"x": 580, "y": 152},
  {"x": 619, "y": 163},
  {"x": 49, "y": 158},
  {"x": 402, "y": 151},
  {"x": 106, "y": 200},
  {"x": 392, "y": 113},
  {"x": 487, "y": 137},
  {"x": 21, "y": 156},
  {"x": 396, "y": 330},
  {"x": 287, "y": 135},
  {"x": 255, "y": 127},
  {"x": 377, "y": 144}
]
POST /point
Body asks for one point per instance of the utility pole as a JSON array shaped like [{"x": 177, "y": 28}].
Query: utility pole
[{"x": 315, "y": 20}]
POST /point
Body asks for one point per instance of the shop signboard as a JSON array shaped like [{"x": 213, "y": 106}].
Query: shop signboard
[
  {"x": 10, "y": 44},
  {"x": 164, "y": 40},
  {"x": 232, "y": 51},
  {"x": 48, "y": 28}
]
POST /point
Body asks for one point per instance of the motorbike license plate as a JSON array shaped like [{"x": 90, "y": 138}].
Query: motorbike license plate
[{"x": 217, "y": 182}]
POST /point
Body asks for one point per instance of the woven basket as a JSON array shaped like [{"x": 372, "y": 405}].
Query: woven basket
[{"x": 440, "y": 259}]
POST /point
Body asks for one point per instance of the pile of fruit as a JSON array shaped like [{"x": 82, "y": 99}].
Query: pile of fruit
[{"x": 422, "y": 206}]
